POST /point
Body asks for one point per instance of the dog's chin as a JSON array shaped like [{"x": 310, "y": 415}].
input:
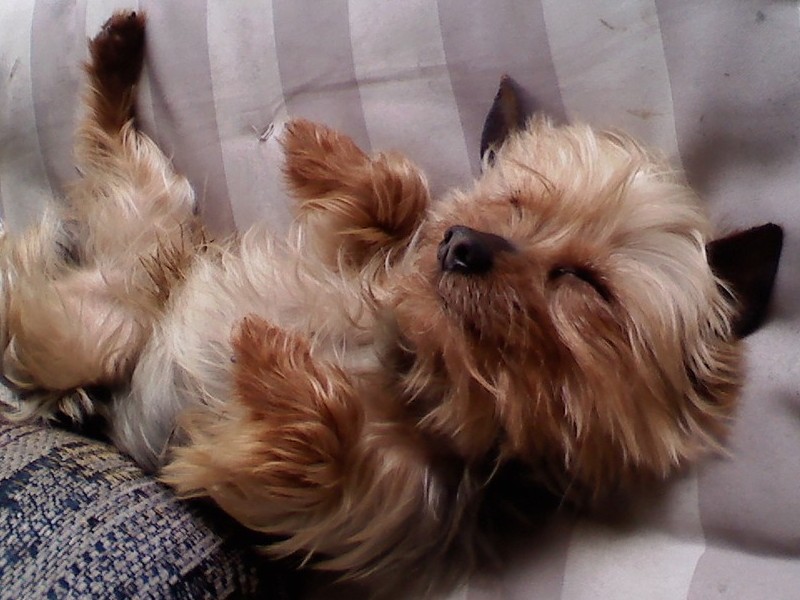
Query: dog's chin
[
  {"x": 452, "y": 292},
  {"x": 467, "y": 304}
]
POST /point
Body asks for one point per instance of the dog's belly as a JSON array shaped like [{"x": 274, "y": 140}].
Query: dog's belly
[{"x": 187, "y": 362}]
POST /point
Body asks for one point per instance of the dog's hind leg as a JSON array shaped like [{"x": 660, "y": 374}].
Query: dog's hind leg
[
  {"x": 129, "y": 202},
  {"x": 354, "y": 206},
  {"x": 130, "y": 226}
]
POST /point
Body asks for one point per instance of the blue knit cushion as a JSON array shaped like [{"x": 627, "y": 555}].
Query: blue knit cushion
[{"x": 78, "y": 520}]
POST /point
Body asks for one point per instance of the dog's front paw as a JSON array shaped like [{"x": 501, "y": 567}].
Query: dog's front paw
[
  {"x": 363, "y": 205},
  {"x": 275, "y": 373},
  {"x": 117, "y": 52},
  {"x": 319, "y": 160},
  {"x": 259, "y": 345}
]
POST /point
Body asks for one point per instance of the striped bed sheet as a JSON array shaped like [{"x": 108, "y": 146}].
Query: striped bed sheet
[{"x": 715, "y": 85}]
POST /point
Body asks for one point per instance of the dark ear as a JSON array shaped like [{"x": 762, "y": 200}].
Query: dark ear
[
  {"x": 504, "y": 116},
  {"x": 748, "y": 261}
]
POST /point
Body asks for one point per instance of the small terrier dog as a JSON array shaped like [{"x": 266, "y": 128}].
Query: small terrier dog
[{"x": 354, "y": 389}]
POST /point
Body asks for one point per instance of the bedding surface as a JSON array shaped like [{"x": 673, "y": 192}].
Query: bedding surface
[{"x": 715, "y": 85}]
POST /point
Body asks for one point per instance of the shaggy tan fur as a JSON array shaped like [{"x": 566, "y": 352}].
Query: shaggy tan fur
[
  {"x": 80, "y": 296},
  {"x": 343, "y": 389}
]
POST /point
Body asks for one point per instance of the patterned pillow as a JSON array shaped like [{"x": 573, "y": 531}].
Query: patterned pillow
[{"x": 77, "y": 520}]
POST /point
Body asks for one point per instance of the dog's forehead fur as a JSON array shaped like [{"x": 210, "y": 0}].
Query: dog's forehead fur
[
  {"x": 568, "y": 197},
  {"x": 561, "y": 184}
]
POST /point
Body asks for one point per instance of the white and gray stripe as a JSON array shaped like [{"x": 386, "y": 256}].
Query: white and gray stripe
[{"x": 715, "y": 85}]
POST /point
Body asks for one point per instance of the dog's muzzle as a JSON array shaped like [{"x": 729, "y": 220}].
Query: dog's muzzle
[{"x": 470, "y": 252}]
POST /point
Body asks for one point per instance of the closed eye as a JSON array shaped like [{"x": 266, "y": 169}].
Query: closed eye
[
  {"x": 516, "y": 206},
  {"x": 585, "y": 275}
]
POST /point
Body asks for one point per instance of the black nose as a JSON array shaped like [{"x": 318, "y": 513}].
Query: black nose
[{"x": 468, "y": 251}]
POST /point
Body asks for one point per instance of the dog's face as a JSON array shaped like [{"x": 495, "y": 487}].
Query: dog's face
[{"x": 565, "y": 309}]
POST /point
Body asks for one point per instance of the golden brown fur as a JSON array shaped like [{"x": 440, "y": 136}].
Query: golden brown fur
[
  {"x": 80, "y": 298},
  {"x": 350, "y": 390},
  {"x": 594, "y": 385}
]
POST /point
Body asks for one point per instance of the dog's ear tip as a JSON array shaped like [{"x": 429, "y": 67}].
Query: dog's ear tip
[
  {"x": 504, "y": 116},
  {"x": 748, "y": 262},
  {"x": 767, "y": 239},
  {"x": 506, "y": 82},
  {"x": 775, "y": 231},
  {"x": 768, "y": 230}
]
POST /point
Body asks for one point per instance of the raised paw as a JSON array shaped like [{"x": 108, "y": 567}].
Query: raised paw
[
  {"x": 319, "y": 160},
  {"x": 274, "y": 371},
  {"x": 260, "y": 347},
  {"x": 363, "y": 205},
  {"x": 117, "y": 52}
]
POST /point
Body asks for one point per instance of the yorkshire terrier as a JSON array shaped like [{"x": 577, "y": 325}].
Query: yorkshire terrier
[{"x": 354, "y": 389}]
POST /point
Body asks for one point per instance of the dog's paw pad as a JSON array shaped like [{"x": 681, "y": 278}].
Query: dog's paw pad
[{"x": 118, "y": 50}]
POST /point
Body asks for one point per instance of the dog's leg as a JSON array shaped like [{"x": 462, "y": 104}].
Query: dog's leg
[
  {"x": 356, "y": 206},
  {"x": 129, "y": 202},
  {"x": 294, "y": 454},
  {"x": 114, "y": 67},
  {"x": 130, "y": 229}
]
